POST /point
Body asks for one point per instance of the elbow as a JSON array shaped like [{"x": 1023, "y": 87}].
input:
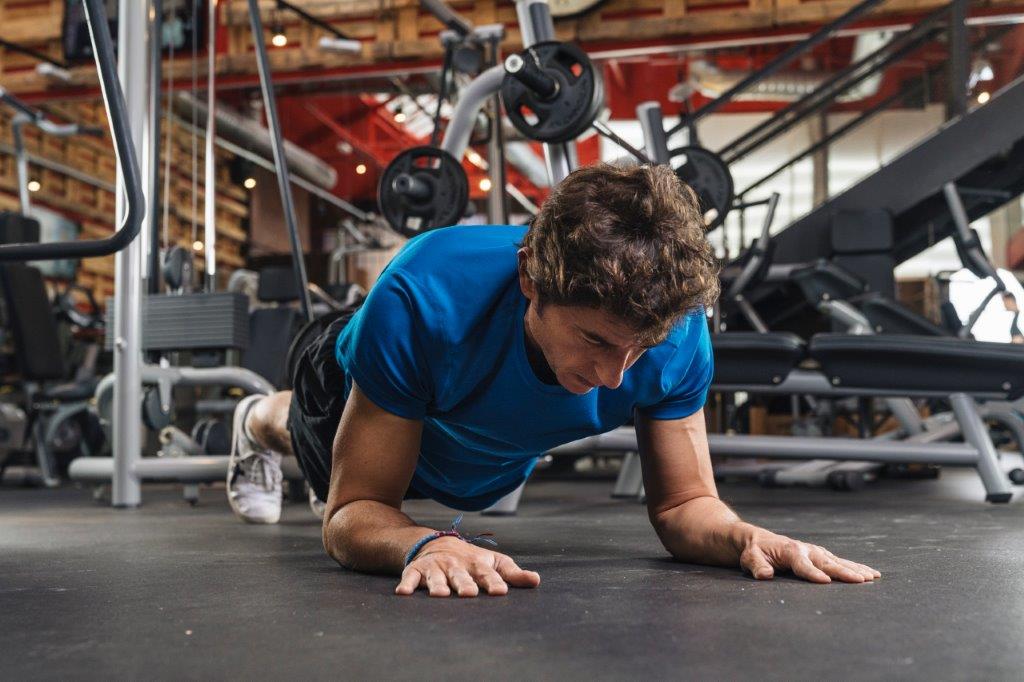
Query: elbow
[{"x": 335, "y": 534}]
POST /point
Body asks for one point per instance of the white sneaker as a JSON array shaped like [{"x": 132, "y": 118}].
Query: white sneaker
[
  {"x": 316, "y": 506},
  {"x": 254, "y": 475}
]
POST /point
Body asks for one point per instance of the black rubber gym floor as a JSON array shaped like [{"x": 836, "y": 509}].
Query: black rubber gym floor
[{"x": 173, "y": 592}]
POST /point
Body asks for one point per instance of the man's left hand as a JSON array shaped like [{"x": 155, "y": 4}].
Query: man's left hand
[{"x": 765, "y": 553}]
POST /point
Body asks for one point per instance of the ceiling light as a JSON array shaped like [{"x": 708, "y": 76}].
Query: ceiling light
[
  {"x": 984, "y": 97},
  {"x": 343, "y": 45},
  {"x": 53, "y": 72},
  {"x": 485, "y": 184},
  {"x": 344, "y": 147},
  {"x": 279, "y": 39},
  {"x": 474, "y": 158},
  {"x": 249, "y": 183},
  {"x": 34, "y": 186},
  {"x": 984, "y": 68},
  {"x": 400, "y": 117},
  {"x": 361, "y": 169},
  {"x": 197, "y": 245},
  {"x": 981, "y": 72}
]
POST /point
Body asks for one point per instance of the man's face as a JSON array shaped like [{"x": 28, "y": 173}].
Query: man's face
[{"x": 584, "y": 347}]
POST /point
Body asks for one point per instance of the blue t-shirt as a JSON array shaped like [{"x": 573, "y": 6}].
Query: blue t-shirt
[{"x": 440, "y": 338}]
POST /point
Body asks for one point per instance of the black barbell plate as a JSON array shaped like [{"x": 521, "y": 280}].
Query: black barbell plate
[
  {"x": 571, "y": 111},
  {"x": 446, "y": 203},
  {"x": 709, "y": 177}
]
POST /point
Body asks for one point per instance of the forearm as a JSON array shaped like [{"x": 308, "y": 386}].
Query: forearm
[
  {"x": 371, "y": 537},
  {"x": 703, "y": 530}
]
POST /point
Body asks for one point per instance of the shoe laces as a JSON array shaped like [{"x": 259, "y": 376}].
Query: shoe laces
[{"x": 261, "y": 470}]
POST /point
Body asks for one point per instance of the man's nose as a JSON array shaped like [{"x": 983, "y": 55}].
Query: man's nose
[{"x": 612, "y": 367}]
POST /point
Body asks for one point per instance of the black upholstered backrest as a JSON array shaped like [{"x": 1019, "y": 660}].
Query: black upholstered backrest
[
  {"x": 862, "y": 243},
  {"x": 270, "y": 334},
  {"x": 36, "y": 338},
  {"x": 277, "y": 285}
]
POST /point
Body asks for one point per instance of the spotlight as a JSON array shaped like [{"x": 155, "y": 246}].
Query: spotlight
[
  {"x": 34, "y": 186},
  {"x": 981, "y": 72},
  {"x": 249, "y": 183},
  {"x": 984, "y": 97},
  {"x": 279, "y": 39},
  {"x": 400, "y": 117},
  {"x": 53, "y": 72},
  {"x": 485, "y": 184},
  {"x": 984, "y": 68},
  {"x": 474, "y": 158},
  {"x": 361, "y": 169},
  {"x": 197, "y": 245},
  {"x": 342, "y": 45}
]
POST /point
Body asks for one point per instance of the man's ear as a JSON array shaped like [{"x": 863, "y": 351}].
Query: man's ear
[{"x": 525, "y": 283}]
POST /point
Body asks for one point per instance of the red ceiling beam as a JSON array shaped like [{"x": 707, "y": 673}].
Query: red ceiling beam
[{"x": 342, "y": 133}]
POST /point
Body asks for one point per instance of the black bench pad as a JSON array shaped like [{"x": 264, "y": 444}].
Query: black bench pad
[
  {"x": 920, "y": 364},
  {"x": 753, "y": 358}
]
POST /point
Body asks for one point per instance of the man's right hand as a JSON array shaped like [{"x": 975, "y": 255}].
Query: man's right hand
[{"x": 447, "y": 565}]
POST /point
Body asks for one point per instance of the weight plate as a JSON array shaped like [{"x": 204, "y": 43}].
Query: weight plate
[
  {"x": 571, "y": 110},
  {"x": 439, "y": 195},
  {"x": 153, "y": 414},
  {"x": 709, "y": 176}
]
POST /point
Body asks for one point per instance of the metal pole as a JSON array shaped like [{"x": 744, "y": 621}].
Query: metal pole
[
  {"x": 283, "y": 178},
  {"x": 536, "y": 25},
  {"x": 497, "y": 211},
  {"x": 997, "y": 488},
  {"x": 126, "y": 489},
  {"x": 152, "y": 163},
  {"x": 959, "y": 54},
  {"x": 210, "y": 169},
  {"x": 21, "y": 158},
  {"x": 653, "y": 127}
]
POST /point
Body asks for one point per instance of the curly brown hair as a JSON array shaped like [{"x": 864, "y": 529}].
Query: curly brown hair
[{"x": 627, "y": 240}]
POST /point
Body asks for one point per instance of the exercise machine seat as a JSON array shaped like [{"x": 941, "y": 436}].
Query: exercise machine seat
[
  {"x": 920, "y": 364},
  {"x": 36, "y": 338},
  {"x": 889, "y": 317},
  {"x": 826, "y": 281},
  {"x": 72, "y": 391},
  {"x": 753, "y": 358}
]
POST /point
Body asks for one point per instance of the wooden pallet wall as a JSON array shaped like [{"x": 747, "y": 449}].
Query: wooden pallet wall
[
  {"x": 399, "y": 31},
  {"x": 93, "y": 207}
]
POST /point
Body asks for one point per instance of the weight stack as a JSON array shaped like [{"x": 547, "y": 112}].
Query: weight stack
[{"x": 189, "y": 322}]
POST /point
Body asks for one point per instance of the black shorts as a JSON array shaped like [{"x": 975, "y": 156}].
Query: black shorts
[{"x": 318, "y": 399}]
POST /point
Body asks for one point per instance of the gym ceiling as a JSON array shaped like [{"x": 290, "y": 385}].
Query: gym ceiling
[{"x": 349, "y": 109}]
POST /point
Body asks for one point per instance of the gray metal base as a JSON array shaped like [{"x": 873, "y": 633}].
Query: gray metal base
[{"x": 200, "y": 469}]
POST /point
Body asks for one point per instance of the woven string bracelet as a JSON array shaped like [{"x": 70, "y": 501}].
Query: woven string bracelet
[{"x": 452, "y": 532}]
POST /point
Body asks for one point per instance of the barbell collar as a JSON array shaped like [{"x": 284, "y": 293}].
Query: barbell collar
[
  {"x": 410, "y": 186},
  {"x": 531, "y": 75}
]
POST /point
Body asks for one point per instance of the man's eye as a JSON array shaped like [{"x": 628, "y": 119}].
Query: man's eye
[{"x": 592, "y": 342}]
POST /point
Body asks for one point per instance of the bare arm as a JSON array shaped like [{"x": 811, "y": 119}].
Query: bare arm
[
  {"x": 682, "y": 500},
  {"x": 373, "y": 461},
  {"x": 695, "y": 526},
  {"x": 374, "y": 458}
]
